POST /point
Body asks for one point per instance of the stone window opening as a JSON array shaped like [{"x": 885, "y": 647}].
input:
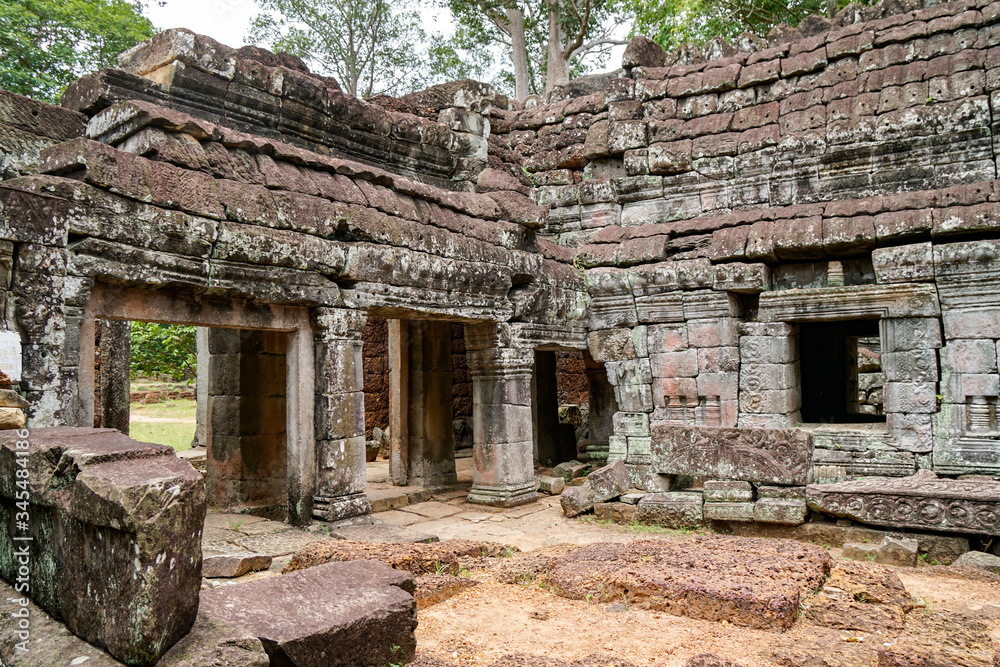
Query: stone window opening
[{"x": 841, "y": 373}]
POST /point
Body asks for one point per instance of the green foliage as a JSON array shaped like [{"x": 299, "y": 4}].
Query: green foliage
[
  {"x": 46, "y": 44},
  {"x": 163, "y": 350},
  {"x": 672, "y": 23},
  {"x": 372, "y": 47},
  {"x": 485, "y": 37}
]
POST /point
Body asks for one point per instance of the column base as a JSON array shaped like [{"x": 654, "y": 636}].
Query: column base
[
  {"x": 341, "y": 507},
  {"x": 502, "y": 496}
]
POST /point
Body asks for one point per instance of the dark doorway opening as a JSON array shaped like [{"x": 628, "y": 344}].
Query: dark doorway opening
[{"x": 835, "y": 358}]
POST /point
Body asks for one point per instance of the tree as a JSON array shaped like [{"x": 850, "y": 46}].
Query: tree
[
  {"x": 369, "y": 46},
  {"x": 672, "y": 23},
  {"x": 163, "y": 350},
  {"x": 46, "y": 44},
  {"x": 543, "y": 40}
]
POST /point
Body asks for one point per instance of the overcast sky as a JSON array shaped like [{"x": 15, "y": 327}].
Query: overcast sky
[
  {"x": 228, "y": 21},
  {"x": 224, "y": 20}
]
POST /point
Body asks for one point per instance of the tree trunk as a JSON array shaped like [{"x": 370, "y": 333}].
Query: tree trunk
[
  {"x": 519, "y": 52},
  {"x": 557, "y": 63}
]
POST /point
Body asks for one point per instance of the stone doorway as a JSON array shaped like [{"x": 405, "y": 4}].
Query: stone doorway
[{"x": 255, "y": 393}]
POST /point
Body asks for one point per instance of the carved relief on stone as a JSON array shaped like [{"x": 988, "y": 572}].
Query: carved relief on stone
[
  {"x": 921, "y": 501},
  {"x": 773, "y": 456}
]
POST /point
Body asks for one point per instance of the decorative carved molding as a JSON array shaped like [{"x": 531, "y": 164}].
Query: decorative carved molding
[
  {"x": 921, "y": 501},
  {"x": 771, "y": 456},
  {"x": 846, "y": 303}
]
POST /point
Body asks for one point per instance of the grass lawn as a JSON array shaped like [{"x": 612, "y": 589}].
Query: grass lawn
[{"x": 166, "y": 423}]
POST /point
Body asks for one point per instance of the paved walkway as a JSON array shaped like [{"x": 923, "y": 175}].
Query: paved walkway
[{"x": 409, "y": 514}]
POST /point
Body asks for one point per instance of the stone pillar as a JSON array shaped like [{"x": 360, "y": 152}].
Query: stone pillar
[
  {"x": 399, "y": 402},
  {"x": 340, "y": 416},
  {"x": 116, "y": 355},
  {"x": 431, "y": 460},
  {"x": 504, "y": 473},
  {"x": 202, "y": 358},
  {"x": 545, "y": 410}
]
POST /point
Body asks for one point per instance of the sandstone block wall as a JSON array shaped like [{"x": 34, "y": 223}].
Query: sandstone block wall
[{"x": 828, "y": 174}]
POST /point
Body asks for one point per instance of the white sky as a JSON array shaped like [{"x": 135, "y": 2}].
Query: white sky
[{"x": 228, "y": 21}]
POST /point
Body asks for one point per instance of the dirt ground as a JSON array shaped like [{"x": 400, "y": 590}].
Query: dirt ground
[{"x": 494, "y": 619}]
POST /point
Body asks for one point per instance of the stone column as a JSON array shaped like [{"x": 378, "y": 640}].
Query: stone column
[
  {"x": 340, "y": 416},
  {"x": 116, "y": 355},
  {"x": 504, "y": 473},
  {"x": 431, "y": 460},
  {"x": 202, "y": 358}
]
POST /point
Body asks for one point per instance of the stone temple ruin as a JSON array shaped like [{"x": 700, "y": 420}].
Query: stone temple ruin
[{"x": 776, "y": 266}]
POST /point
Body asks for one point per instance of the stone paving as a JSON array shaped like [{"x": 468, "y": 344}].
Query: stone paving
[{"x": 442, "y": 514}]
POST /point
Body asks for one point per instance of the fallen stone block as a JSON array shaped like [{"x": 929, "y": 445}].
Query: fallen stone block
[
  {"x": 570, "y": 470},
  {"x": 576, "y": 500},
  {"x": 366, "y": 614},
  {"x": 677, "y": 509},
  {"x": 727, "y": 491},
  {"x": 631, "y": 498},
  {"x": 116, "y": 527},
  {"x": 729, "y": 511},
  {"x": 551, "y": 485},
  {"x": 213, "y": 642},
  {"x": 898, "y": 551},
  {"x": 789, "y": 511},
  {"x": 979, "y": 560},
  {"x": 749, "y": 582},
  {"x": 609, "y": 482},
  {"x": 234, "y": 564},
  {"x": 953, "y": 505}
]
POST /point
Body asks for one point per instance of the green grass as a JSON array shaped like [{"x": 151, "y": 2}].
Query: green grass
[{"x": 171, "y": 423}]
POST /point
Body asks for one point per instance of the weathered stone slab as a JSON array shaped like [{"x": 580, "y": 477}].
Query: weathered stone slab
[
  {"x": 233, "y": 564},
  {"x": 789, "y": 511},
  {"x": 770, "y": 456},
  {"x": 921, "y": 501},
  {"x": 550, "y": 485},
  {"x": 979, "y": 560},
  {"x": 116, "y": 535},
  {"x": 746, "y": 581},
  {"x": 729, "y": 511},
  {"x": 676, "y": 509},
  {"x": 213, "y": 642},
  {"x": 609, "y": 482},
  {"x": 727, "y": 491},
  {"x": 366, "y": 615},
  {"x": 577, "y": 499}
]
